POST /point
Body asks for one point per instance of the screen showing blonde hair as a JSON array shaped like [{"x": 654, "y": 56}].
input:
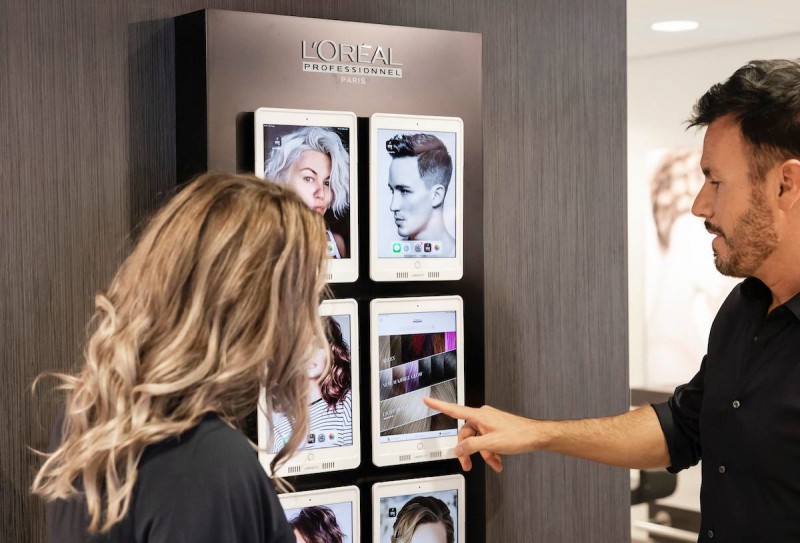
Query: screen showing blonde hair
[{"x": 219, "y": 297}]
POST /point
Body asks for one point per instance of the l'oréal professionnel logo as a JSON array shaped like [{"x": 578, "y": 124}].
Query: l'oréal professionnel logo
[{"x": 330, "y": 57}]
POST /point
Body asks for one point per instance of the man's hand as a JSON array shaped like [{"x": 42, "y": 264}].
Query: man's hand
[
  {"x": 489, "y": 431},
  {"x": 633, "y": 439}
]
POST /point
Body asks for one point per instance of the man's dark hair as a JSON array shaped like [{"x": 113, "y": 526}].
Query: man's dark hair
[
  {"x": 434, "y": 162},
  {"x": 764, "y": 98}
]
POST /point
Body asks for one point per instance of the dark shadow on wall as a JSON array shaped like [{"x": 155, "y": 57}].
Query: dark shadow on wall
[{"x": 151, "y": 110}]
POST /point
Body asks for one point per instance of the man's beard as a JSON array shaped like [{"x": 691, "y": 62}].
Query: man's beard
[{"x": 752, "y": 241}]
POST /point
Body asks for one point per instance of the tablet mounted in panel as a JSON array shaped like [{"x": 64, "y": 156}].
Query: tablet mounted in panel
[
  {"x": 416, "y": 350},
  {"x": 416, "y": 198},
  {"x": 315, "y": 153},
  {"x": 333, "y": 439}
]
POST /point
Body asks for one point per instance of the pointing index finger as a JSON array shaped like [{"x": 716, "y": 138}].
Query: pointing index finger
[{"x": 454, "y": 410}]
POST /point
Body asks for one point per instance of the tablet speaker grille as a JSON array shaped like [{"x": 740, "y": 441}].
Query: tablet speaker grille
[
  {"x": 330, "y": 277},
  {"x": 433, "y": 275},
  {"x": 402, "y": 275},
  {"x": 294, "y": 469},
  {"x": 435, "y": 454},
  {"x": 328, "y": 465},
  {"x": 405, "y": 457}
]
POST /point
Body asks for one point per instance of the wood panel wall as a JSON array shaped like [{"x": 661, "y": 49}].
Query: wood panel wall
[{"x": 87, "y": 150}]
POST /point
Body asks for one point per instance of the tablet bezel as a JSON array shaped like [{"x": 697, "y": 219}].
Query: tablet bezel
[
  {"x": 412, "y": 450},
  {"x": 340, "y": 270},
  {"x": 415, "y": 269},
  {"x": 327, "y": 496},
  {"x": 305, "y": 462},
  {"x": 419, "y": 487}
]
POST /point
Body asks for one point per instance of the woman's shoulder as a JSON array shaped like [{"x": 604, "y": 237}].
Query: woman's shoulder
[{"x": 211, "y": 447}]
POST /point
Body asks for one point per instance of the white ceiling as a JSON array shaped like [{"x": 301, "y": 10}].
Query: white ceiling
[{"x": 721, "y": 22}]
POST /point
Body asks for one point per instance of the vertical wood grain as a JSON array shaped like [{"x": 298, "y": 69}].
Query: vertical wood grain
[{"x": 87, "y": 142}]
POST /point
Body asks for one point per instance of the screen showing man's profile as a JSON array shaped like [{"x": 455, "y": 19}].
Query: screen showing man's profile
[
  {"x": 430, "y": 517},
  {"x": 418, "y": 358},
  {"x": 416, "y": 205},
  {"x": 315, "y": 162},
  {"x": 329, "y": 523},
  {"x": 330, "y": 393}
]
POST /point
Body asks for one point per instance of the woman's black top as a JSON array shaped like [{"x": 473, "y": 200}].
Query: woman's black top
[{"x": 203, "y": 486}]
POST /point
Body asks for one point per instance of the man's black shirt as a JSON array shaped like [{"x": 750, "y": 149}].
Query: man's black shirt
[{"x": 741, "y": 415}]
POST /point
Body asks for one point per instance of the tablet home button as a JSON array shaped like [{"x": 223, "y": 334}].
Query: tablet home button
[
  {"x": 419, "y": 446},
  {"x": 417, "y": 264},
  {"x": 310, "y": 457}
]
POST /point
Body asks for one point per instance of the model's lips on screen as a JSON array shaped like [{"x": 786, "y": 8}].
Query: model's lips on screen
[{"x": 320, "y": 210}]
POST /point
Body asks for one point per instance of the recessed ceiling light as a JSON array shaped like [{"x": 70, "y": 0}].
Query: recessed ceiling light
[{"x": 674, "y": 26}]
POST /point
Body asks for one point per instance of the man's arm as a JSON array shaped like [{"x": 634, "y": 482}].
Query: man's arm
[{"x": 631, "y": 440}]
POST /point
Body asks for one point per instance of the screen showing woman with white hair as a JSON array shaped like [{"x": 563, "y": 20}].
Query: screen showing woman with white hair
[{"x": 315, "y": 162}]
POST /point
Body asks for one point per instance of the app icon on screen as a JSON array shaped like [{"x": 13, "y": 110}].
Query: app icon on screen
[{"x": 396, "y": 247}]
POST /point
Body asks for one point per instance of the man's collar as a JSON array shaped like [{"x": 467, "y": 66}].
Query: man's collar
[{"x": 755, "y": 288}]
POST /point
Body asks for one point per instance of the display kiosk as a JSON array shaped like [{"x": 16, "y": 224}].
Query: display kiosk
[{"x": 231, "y": 64}]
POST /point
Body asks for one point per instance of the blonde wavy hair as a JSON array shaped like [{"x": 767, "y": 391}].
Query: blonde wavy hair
[
  {"x": 422, "y": 510},
  {"x": 219, "y": 297}
]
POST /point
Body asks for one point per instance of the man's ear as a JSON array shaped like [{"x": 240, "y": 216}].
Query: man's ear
[
  {"x": 789, "y": 188},
  {"x": 437, "y": 195}
]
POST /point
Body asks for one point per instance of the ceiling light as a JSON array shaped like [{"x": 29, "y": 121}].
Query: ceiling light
[{"x": 674, "y": 26}]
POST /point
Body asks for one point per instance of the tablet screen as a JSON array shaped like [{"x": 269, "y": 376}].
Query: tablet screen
[
  {"x": 315, "y": 162},
  {"x": 429, "y": 517},
  {"x": 330, "y": 390},
  {"x": 416, "y": 189},
  {"x": 329, "y": 522},
  {"x": 417, "y": 358}
]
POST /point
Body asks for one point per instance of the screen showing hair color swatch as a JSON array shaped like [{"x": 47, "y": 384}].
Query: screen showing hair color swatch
[{"x": 418, "y": 358}]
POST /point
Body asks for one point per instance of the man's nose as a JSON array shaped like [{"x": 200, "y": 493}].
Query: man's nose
[{"x": 702, "y": 202}]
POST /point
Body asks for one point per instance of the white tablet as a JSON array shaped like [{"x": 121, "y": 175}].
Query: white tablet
[
  {"x": 331, "y": 514},
  {"x": 416, "y": 350},
  {"x": 315, "y": 152},
  {"x": 416, "y": 198},
  {"x": 430, "y": 510},
  {"x": 333, "y": 441}
]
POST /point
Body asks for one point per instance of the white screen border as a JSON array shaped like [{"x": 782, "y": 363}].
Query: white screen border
[
  {"x": 419, "y": 486},
  {"x": 327, "y": 496},
  {"x": 415, "y": 269},
  {"x": 306, "y": 462},
  {"x": 344, "y": 270},
  {"x": 424, "y": 449}
]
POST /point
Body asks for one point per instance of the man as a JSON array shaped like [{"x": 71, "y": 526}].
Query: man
[
  {"x": 741, "y": 412},
  {"x": 418, "y": 178}
]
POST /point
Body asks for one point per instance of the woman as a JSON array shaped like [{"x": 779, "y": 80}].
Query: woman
[
  {"x": 424, "y": 519},
  {"x": 213, "y": 302},
  {"x": 330, "y": 396},
  {"x": 314, "y": 163},
  {"x": 317, "y": 524}
]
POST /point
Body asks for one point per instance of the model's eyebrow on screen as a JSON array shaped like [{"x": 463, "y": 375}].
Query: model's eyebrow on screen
[
  {"x": 399, "y": 186},
  {"x": 311, "y": 170}
]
